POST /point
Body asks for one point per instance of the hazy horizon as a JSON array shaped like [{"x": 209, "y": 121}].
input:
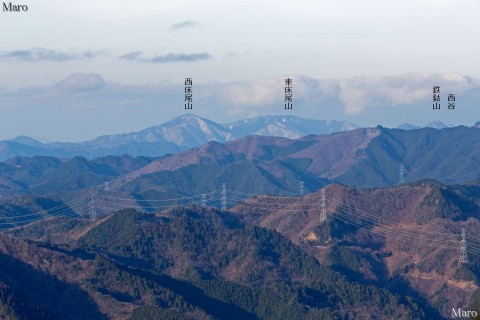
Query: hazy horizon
[
  {"x": 44, "y": 140},
  {"x": 74, "y": 71}
]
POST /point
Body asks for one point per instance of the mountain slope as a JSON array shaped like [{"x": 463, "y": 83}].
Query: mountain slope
[
  {"x": 48, "y": 175},
  {"x": 200, "y": 244},
  {"x": 362, "y": 157},
  {"x": 259, "y": 164},
  {"x": 195, "y": 263},
  {"x": 404, "y": 238},
  {"x": 314, "y": 157},
  {"x": 450, "y": 155}
]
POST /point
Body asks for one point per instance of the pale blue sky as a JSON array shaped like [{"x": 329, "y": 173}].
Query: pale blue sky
[{"x": 354, "y": 60}]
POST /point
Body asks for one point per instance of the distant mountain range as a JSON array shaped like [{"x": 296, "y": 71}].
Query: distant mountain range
[
  {"x": 181, "y": 133},
  {"x": 364, "y": 157},
  {"x": 258, "y": 164},
  {"x": 434, "y": 124}
]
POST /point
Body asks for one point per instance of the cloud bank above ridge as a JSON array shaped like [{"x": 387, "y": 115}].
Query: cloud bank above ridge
[{"x": 366, "y": 100}]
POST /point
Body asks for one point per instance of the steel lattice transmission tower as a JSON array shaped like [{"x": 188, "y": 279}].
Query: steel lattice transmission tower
[
  {"x": 92, "y": 213},
  {"x": 323, "y": 208},
  {"x": 463, "y": 249},
  {"x": 204, "y": 201},
  {"x": 402, "y": 173},
  {"x": 302, "y": 189},
  {"x": 224, "y": 197}
]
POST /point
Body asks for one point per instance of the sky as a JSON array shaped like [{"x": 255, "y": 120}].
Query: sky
[{"x": 71, "y": 71}]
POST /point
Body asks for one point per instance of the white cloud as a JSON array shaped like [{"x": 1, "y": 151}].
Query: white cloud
[
  {"x": 184, "y": 24},
  {"x": 388, "y": 100},
  {"x": 80, "y": 82},
  {"x": 355, "y": 95},
  {"x": 42, "y": 54},
  {"x": 251, "y": 93},
  {"x": 139, "y": 56},
  {"x": 362, "y": 93}
]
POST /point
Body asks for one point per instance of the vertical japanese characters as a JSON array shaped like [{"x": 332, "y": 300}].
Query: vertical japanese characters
[
  {"x": 451, "y": 101},
  {"x": 436, "y": 99},
  {"x": 288, "y": 94},
  {"x": 188, "y": 94}
]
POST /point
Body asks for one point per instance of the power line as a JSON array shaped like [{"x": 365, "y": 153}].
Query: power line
[
  {"x": 92, "y": 213},
  {"x": 264, "y": 203},
  {"x": 463, "y": 249},
  {"x": 157, "y": 200},
  {"x": 370, "y": 219},
  {"x": 66, "y": 212},
  {"x": 395, "y": 230},
  {"x": 377, "y": 220},
  {"x": 224, "y": 197},
  {"x": 61, "y": 207},
  {"x": 323, "y": 208},
  {"x": 402, "y": 173}
]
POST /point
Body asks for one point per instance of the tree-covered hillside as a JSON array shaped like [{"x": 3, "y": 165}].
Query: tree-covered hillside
[{"x": 194, "y": 263}]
